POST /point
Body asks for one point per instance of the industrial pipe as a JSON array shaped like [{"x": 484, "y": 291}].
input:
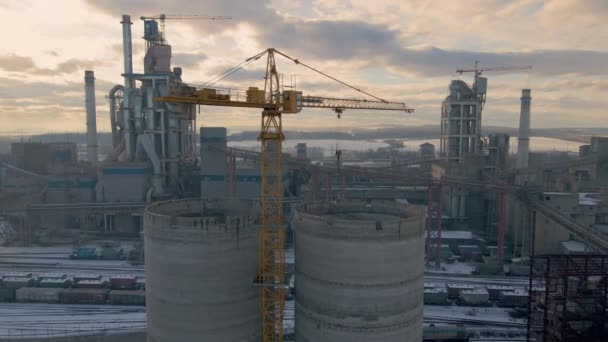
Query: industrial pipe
[
  {"x": 523, "y": 140},
  {"x": 115, "y": 121},
  {"x": 127, "y": 51},
  {"x": 89, "y": 87},
  {"x": 128, "y": 133},
  {"x": 145, "y": 144}
]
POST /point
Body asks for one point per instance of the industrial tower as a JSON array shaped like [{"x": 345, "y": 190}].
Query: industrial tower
[{"x": 461, "y": 115}]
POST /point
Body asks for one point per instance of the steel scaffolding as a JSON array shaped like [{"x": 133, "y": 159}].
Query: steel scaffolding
[{"x": 567, "y": 300}]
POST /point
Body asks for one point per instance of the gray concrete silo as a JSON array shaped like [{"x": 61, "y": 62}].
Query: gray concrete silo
[
  {"x": 201, "y": 260},
  {"x": 359, "y": 273}
]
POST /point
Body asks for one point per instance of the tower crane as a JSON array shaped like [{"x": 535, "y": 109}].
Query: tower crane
[
  {"x": 480, "y": 84},
  {"x": 478, "y": 71},
  {"x": 274, "y": 102},
  {"x": 163, "y": 17}
]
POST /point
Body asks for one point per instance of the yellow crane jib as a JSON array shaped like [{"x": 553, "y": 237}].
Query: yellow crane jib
[{"x": 291, "y": 101}]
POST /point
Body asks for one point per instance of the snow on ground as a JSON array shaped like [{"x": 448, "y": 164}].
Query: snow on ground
[
  {"x": 479, "y": 280},
  {"x": 27, "y": 320},
  {"x": 471, "y": 314},
  {"x": 455, "y": 268}
]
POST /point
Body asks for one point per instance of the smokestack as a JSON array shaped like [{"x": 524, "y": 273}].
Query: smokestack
[
  {"x": 127, "y": 50},
  {"x": 129, "y": 84},
  {"x": 89, "y": 93},
  {"x": 523, "y": 141}
]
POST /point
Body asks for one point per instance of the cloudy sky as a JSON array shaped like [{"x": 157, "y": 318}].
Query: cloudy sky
[{"x": 397, "y": 49}]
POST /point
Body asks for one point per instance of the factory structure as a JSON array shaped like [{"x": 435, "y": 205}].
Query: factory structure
[{"x": 231, "y": 237}]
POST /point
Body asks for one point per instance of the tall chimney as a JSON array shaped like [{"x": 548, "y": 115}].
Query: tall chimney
[
  {"x": 89, "y": 93},
  {"x": 127, "y": 50},
  {"x": 523, "y": 141},
  {"x": 128, "y": 137}
]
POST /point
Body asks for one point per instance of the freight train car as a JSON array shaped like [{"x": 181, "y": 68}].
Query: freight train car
[
  {"x": 127, "y": 297},
  {"x": 7, "y": 294},
  {"x": 84, "y": 296},
  {"x": 38, "y": 294}
]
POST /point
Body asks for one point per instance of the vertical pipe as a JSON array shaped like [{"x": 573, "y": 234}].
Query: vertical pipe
[
  {"x": 2, "y": 177},
  {"x": 129, "y": 134},
  {"x": 502, "y": 226},
  {"x": 433, "y": 225},
  {"x": 437, "y": 213},
  {"x": 89, "y": 90},
  {"x": 523, "y": 145},
  {"x": 127, "y": 51},
  {"x": 329, "y": 189},
  {"x": 113, "y": 122},
  {"x": 315, "y": 183},
  {"x": 460, "y": 136},
  {"x": 531, "y": 299}
]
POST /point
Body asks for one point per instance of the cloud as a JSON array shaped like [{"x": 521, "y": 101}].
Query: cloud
[
  {"x": 433, "y": 61},
  {"x": 332, "y": 39},
  {"x": 397, "y": 50},
  {"x": 187, "y": 60},
  {"x": 72, "y": 65},
  {"x": 561, "y": 12},
  {"x": 25, "y": 64},
  {"x": 349, "y": 40},
  {"x": 12, "y": 62},
  {"x": 117, "y": 49},
  {"x": 241, "y": 76},
  {"x": 46, "y": 106}
]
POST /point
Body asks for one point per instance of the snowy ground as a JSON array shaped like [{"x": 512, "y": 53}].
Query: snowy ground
[
  {"x": 486, "y": 324},
  {"x": 471, "y": 315},
  {"x": 476, "y": 280},
  {"x": 27, "y": 320},
  {"x": 455, "y": 268}
]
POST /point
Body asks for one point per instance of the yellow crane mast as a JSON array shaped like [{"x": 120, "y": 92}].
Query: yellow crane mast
[{"x": 274, "y": 102}]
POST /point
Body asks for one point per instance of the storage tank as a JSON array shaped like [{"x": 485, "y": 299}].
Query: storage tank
[
  {"x": 201, "y": 261},
  {"x": 359, "y": 272}
]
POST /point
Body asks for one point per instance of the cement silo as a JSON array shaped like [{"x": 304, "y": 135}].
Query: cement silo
[
  {"x": 201, "y": 260},
  {"x": 359, "y": 272}
]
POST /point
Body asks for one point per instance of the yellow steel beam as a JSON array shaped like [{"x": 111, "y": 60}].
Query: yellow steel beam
[
  {"x": 271, "y": 263},
  {"x": 210, "y": 102}
]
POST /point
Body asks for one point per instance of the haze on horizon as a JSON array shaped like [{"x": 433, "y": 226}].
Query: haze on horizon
[{"x": 404, "y": 51}]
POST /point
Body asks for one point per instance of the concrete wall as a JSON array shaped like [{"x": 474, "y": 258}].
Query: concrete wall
[
  {"x": 201, "y": 260},
  {"x": 248, "y": 183},
  {"x": 359, "y": 273},
  {"x": 213, "y": 162},
  {"x": 125, "y": 183},
  {"x": 70, "y": 189}
]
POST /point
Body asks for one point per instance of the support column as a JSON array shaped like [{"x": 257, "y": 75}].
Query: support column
[
  {"x": 271, "y": 266},
  {"x": 502, "y": 226}
]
